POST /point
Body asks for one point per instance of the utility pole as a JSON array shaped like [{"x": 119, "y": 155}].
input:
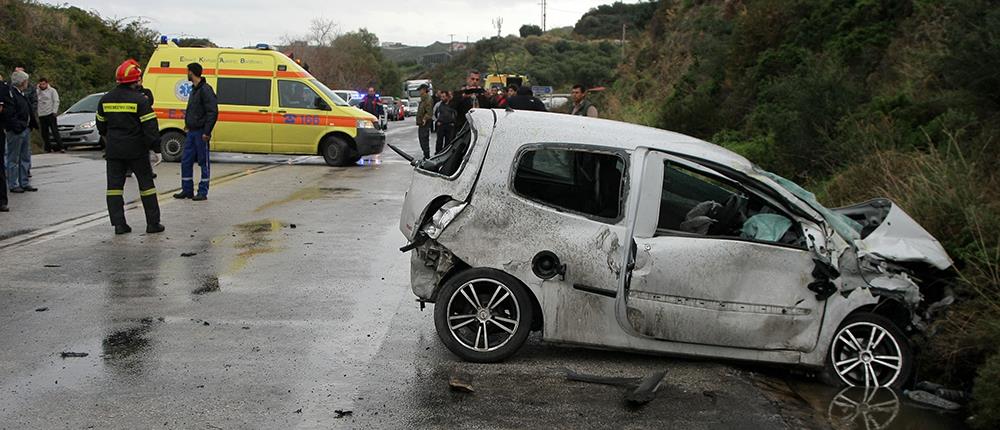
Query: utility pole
[
  {"x": 543, "y": 15},
  {"x": 498, "y": 23},
  {"x": 451, "y": 46}
]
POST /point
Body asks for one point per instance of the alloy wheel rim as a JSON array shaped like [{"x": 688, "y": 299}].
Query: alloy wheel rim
[
  {"x": 866, "y": 354},
  {"x": 483, "y": 315}
]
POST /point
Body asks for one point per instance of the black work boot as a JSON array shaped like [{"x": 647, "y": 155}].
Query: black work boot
[
  {"x": 155, "y": 228},
  {"x": 200, "y": 198},
  {"x": 122, "y": 229},
  {"x": 182, "y": 195}
]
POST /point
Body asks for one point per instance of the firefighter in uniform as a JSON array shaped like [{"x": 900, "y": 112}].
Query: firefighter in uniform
[{"x": 126, "y": 120}]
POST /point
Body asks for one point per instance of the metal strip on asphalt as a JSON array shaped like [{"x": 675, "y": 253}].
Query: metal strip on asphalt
[{"x": 100, "y": 217}]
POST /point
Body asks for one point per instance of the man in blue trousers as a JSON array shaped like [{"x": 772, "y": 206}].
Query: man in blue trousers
[{"x": 199, "y": 120}]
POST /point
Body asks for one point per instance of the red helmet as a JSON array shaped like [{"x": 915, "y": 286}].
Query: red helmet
[{"x": 128, "y": 72}]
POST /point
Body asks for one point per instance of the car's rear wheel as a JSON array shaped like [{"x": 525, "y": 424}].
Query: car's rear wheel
[
  {"x": 336, "y": 152},
  {"x": 483, "y": 315},
  {"x": 172, "y": 146},
  {"x": 868, "y": 350}
]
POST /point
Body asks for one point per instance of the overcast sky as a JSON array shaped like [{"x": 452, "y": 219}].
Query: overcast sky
[{"x": 413, "y": 22}]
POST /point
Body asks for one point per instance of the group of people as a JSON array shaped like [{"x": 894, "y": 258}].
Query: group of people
[
  {"x": 448, "y": 114},
  {"x": 127, "y": 123},
  {"x": 24, "y": 107}
]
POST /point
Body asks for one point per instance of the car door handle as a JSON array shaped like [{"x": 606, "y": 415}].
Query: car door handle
[
  {"x": 263, "y": 110},
  {"x": 282, "y": 111}
]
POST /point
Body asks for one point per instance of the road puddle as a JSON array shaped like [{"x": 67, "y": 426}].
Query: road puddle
[
  {"x": 308, "y": 194},
  {"x": 872, "y": 408},
  {"x": 255, "y": 238}
]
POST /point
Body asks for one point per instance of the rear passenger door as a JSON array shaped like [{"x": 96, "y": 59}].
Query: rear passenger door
[{"x": 244, "y": 123}]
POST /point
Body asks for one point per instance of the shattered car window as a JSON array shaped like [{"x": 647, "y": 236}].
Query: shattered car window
[
  {"x": 580, "y": 181},
  {"x": 695, "y": 203},
  {"x": 450, "y": 160},
  {"x": 847, "y": 228}
]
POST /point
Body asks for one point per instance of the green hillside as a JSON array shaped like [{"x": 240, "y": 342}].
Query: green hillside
[{"x": 857, "y": 99}]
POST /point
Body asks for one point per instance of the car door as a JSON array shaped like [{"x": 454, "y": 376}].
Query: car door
[
  {"x": 301, "y": 118},
  {"x": 244, "y": 123},
  {"x": 693, "y": 280}
]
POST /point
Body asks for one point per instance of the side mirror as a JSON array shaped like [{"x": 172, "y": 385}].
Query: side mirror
[{"x": 321, "y": 104}]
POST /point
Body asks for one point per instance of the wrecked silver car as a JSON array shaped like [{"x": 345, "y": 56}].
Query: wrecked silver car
[{"x": 612, "y": 235}]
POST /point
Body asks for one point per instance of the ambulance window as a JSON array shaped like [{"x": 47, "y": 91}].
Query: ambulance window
[
  {"x": 244, "y": 92},
  {"x": 296, "y": 95}
]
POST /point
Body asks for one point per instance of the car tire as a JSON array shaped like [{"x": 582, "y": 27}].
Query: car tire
[
  {"x": 172, "y": 146},
  {"x": 460, "y": 315},
  {"x": 336, "y": 152},
  {"x": 853, "y": 357}
]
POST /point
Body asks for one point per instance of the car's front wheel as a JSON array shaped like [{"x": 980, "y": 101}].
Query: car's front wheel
[
  {"x": 336, "y": 152},
  {"x": 172, "y": 146},
  {"x": 868, "y": 350},
  {"x": 483, "y": 315}
]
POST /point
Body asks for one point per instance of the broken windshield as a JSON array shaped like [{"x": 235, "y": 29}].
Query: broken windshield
[{"x": 846, "y": 227}]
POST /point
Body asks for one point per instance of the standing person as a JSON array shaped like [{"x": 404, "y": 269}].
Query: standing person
[
  {"x": 3, "y": 148},
  {"x": 445, "y": 122},
  {"x": 199, "y": 120},
  {"x": 48, "y": 108},
  {"x": 425, "y": 119},
  {"x": 526, "y": 100},
  {"x": 32, "y": 97},
  {"x": 471, "y": 96},
  {"x": 511, "y": 91},
  {"x": 371, "y": 102},
  {"x": 16, "y": 124},
  {"x": 126, "y": 121},
  {"x": 582, "y": 106}
]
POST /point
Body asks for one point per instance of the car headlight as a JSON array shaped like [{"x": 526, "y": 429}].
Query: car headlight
[
  {"x": 443, "y": 217},
  {"x": 87, "y": 125},
  {"x": 364, "y": 123}
]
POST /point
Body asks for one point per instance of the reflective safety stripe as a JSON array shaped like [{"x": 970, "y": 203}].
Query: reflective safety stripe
[
  {"x": 149, "y": 192},
  {"x": 100, "y": 118},
  {"x": 116, "y": 192},
  {"x": 147, "y": 117},
  {"x": 204, "y": 180},
  {"x": 121, "y": 107},
  {"x": 187, "y": 179}
]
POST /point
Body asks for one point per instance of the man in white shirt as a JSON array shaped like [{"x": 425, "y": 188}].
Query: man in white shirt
[{"x": 48, "y": 109}]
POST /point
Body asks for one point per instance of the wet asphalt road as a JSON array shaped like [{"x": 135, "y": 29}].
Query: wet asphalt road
[{"x": 294, "y": 306}]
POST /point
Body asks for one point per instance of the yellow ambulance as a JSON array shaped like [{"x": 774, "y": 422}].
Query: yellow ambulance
[{"x": 268, "y": 104}]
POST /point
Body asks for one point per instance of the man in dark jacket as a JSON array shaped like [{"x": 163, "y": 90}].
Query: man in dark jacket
[
  {"x": 199, "y": 120},
  {"x": 471, "y": 96},
  {"x": 126, "y": 121},
  {"x": 445, "y": 122},
  {"x": 16, "y": 124},
  {"x": 525, "y": 100}
]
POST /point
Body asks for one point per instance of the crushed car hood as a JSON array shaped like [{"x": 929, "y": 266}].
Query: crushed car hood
[{"x": 901, "y": 239}]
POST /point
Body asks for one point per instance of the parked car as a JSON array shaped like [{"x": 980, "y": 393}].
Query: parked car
[
  {"x": 78, "y": 124},
  {"x": 391, "y": 110},
  {"x": 412, "y": 106},
  {"x": 618, "y": 236}
]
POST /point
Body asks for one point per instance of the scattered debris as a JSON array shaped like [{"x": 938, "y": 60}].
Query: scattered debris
[
  {"x": 43, "y": 309},
  {"x": 298, "y": 411},
  {"x": 605, "y": 380},
  {"x": 52, "y": 265},
  {"x": 65, "y": 354},
  {"x": 246, "y": 327},
  {"x": 342, "y": 413},
  {"x": 461, "y": 382},
  {"x": 209, "y": 284},
  {"x": 188, "y": 254},
  {"x": 929, "y": 399},
  {"x": 292, "y": 226},
  {"x": 958, "y": 396},
  {"x": 646, "y": 391}
]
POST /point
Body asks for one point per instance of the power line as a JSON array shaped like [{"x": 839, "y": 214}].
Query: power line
[{"x": 543, "y": 15}]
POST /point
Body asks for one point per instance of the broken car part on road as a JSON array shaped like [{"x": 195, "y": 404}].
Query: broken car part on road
[{"x": 662, "y": 243}]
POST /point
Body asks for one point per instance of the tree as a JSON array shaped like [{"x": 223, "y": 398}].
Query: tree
[{"x": 530, "y": 30}]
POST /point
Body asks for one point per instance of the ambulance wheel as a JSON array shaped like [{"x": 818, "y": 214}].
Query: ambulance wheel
[
  {"x": 336, "y": 152},
  {"x": 172, "y": 146}
]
